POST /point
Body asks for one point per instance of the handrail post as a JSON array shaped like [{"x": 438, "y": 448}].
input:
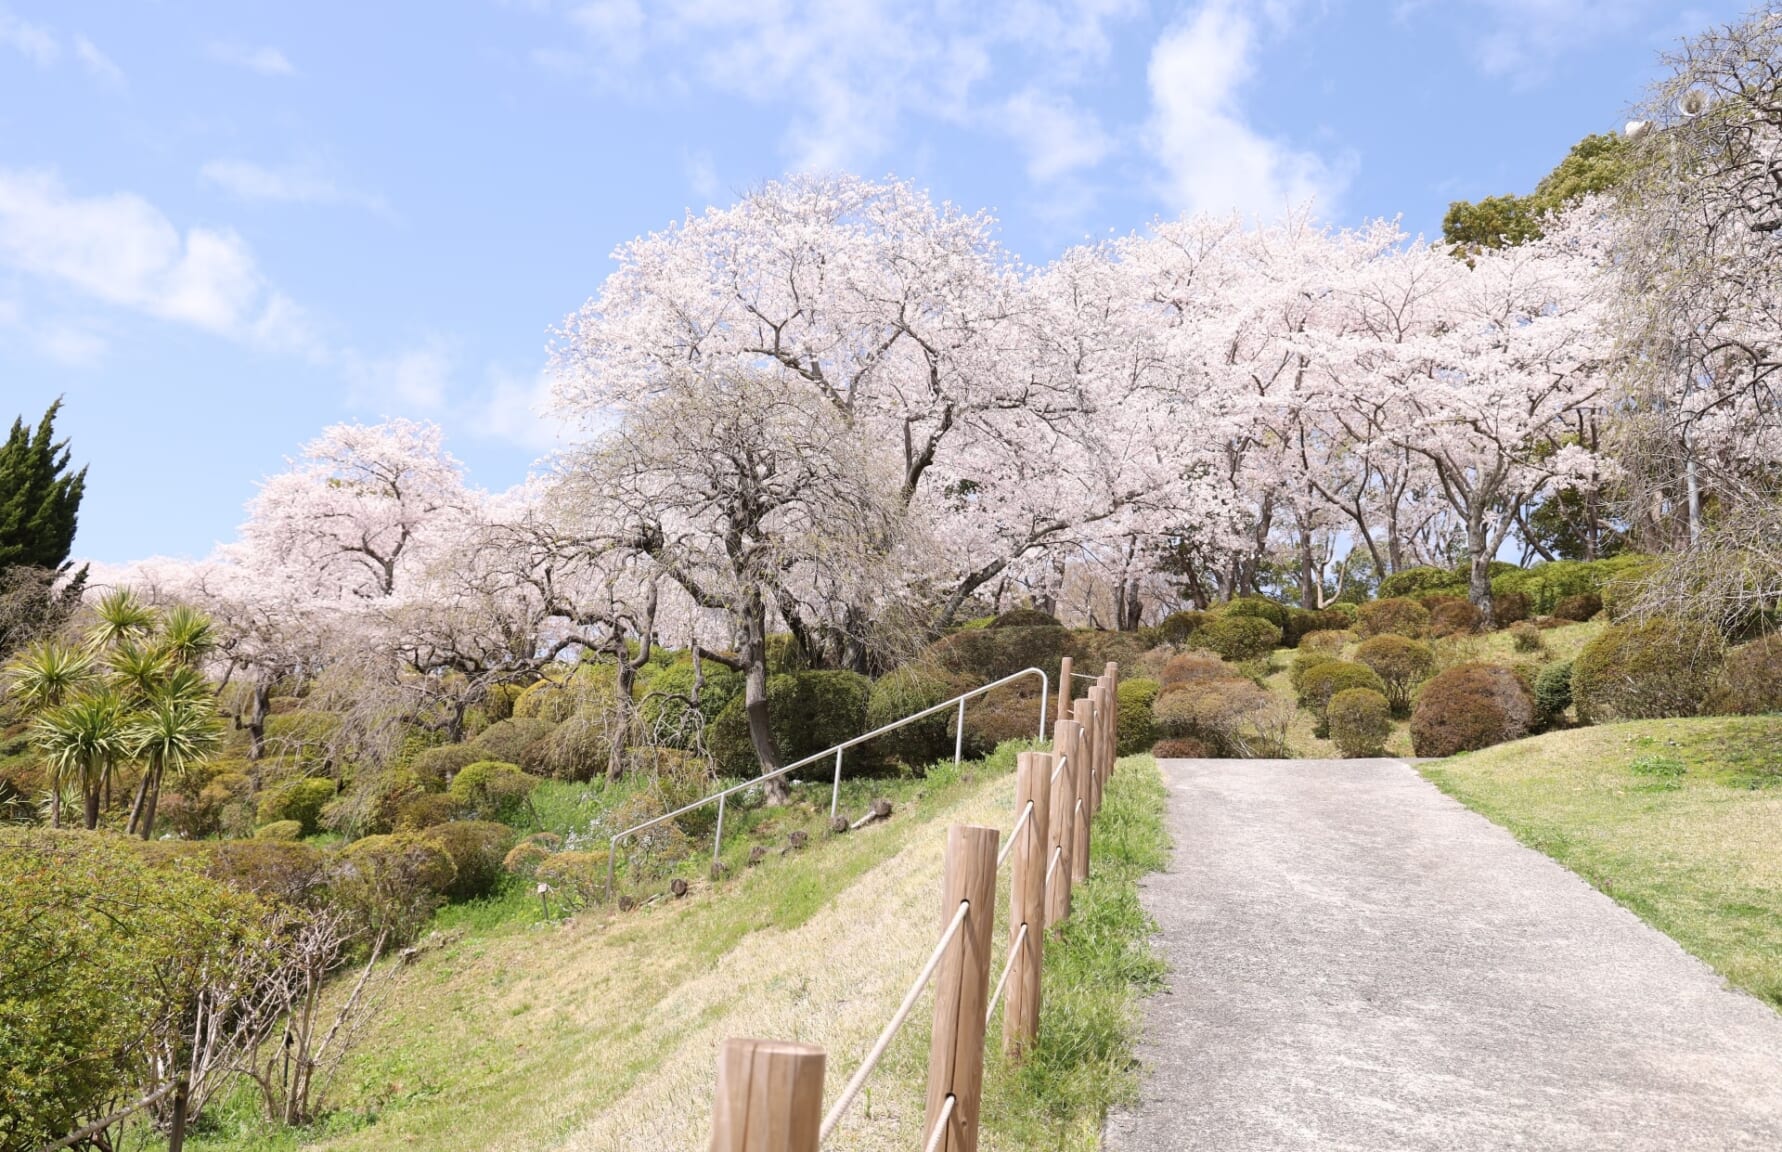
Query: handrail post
[
  {"x": 835, "y": 793},
  {"x": 956, "y": 1051},
  {"x": 1085, "y": 788},
  {"x": 612, "y": 854},
  {"x": 1064, "y": 669},
  {"x": 718, "y": 837},
  {"x": 959, "y": 735},
  {"x": 1060, "y": 831},
  {"x": 769, "y": 1097},
  {"x": 1027, "y": 903},
  {"x": 1045, "y": 698}
]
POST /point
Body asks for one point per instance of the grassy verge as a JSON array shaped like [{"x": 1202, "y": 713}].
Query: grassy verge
[
  {"x": 1097, "y": 968},
  {"x": 1675, "y": 819}
]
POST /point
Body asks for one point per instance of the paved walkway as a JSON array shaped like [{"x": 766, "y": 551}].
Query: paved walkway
[{"x": 1360, "y": 963}]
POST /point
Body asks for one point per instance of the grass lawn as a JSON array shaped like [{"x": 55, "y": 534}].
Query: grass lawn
[
  {"x": 601, "y": 1032},
  {"x": 1678, "y": 820}
]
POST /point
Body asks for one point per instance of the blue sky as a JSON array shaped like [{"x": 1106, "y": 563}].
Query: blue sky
[{"x": 224, "y": 226}]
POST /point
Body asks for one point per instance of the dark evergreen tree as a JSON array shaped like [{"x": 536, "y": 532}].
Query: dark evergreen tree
[{"x": 39, "y": 496}]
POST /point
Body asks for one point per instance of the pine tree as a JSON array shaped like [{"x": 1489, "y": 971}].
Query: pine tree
[{"x": 39, "y": 496}]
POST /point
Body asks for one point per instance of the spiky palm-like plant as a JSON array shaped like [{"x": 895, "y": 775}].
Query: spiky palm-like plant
[
  {"x": 46, "y": 676},
  {"x": 121, "y": 617},
  {"x": 84, "y": 740},
  {"x": 137, "y": 670},
  {"x": 187, "y": 635},
  {"x": 177, "y": 729}
]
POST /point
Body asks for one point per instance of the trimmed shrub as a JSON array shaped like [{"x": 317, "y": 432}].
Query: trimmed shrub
[
  {"x": 522, "y": 860},
  {"x": 1580, "y": 608},
  {"x": 1646, "y": 670},
  {"x": 1526, "y": 637},
  {"x": 1009, "y": 713},
  {"x": 1417, "y": 581},
  {"x": 1134, "y": 699},
  {"x": 1553, "y": 692},
  {"x": 1751, "y": 681},
  {"x": 1470, "y": 706},
  {"x": 785, "y": 656},
  {"x": 1090, "y": 649},
  {"x": 544, "y": 699},
  {"x": 491, "y": 790},
  {"x": 1360, "y": 721},
  {"x": 1509, "y": 608},
  {"x": 904, "y": 692},
  {"x": 1454, "y": 618},
  {"x": 1233, "y": 717},
  {"x": 1327, "y": 640},
  {"x": 279, "y": 830},
  {"x": 1396, "y": 615},
  {"x": 576, "y": 879},
  {"x": 1302, "y": 623},
  {"x": 279, "y": 870},
  {"x": 1026, "y": 618},
  {"x": 1178, "y": 626},
  {"x": 1193, "y": 668},
  {"x": 1304, "y": 661},
  {"x": 1260, "y": 608},
  {"x": 477, "y": 849},
  {"x": 807, "y": 712},
  {"x": 434, "y": 768},
  {"x": 424, "y": 811},
  {"x": 667, "y": 710},
  {"x": 1237, "y": 637},
  {"x": 518, "y": 741},
  {"x": 1321, "y": 683},
  {"x": 1181, "y": 748},
  {"x": 1619, "y": 590},
  {"x": 391, "y": 884},
  {"x": 1400, "y": 663},
  {"x": 981, "y": 655},
  {"x": 297, "y": 800}
]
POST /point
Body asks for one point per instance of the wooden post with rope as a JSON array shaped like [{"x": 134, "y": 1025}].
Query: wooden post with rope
[
  {"x": 1027, "y": 903},
  {"x": 1064, "y": 688},
  {"x": 956, "y": 1051},
  {"x": 1060, "y": 820},
  {"x": 1083, "y": 768},
  {"x": 769, "y": 1097}
]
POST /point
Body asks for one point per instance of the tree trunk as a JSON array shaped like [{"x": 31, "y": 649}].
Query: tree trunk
[
  {"x": 1310, "y": 588},
  {"x": 767, "y": 753},
  {"x": 93, "y": 797},
  {"x": 262, "y": 705},
  {"x": 142, "y": 788},
  {"x": 148, "y": 813},
  {"x": 1478, "y": 543}
]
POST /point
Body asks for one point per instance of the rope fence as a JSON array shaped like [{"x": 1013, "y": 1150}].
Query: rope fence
[{"x": 770, "y": 1093}]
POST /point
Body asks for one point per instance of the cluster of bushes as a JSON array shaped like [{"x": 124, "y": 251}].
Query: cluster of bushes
[{"x": 1200, "y": 700}]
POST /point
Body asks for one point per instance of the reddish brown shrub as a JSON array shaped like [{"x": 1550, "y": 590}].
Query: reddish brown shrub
[
  {"x": 1181, "y": 748},
  {"x": 1194, "y": 668},
  {"x": 1751, "y": 681},
  {"x": 1470, "y": 706},
  {"x": 1580, "y": 608},
  {"x": 1454, "y": 618},
  {"x": 1396, "y": 615}
]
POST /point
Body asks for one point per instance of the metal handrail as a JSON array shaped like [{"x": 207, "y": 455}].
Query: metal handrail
[{"x": 835, "y": 795}]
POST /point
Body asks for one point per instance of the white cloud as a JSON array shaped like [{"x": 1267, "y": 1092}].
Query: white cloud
[
  {"x": 33, "y": 40},
  {"x": 266, "y": 61},
  {"x": 1058, "y": 136},
  {"x": 516, "y": 410},
  {"x": 122, "y": 250},
  {"x": 702, "y": 175},
  {"x": 418, "y": 379},
  {"x": 71, "y": 345},
  {"x": 292, "y": 184},
  {"x": 1522, "y": 39},
  {"x": 98, "y": 63},
  {"x": 1214, "y": 160}
]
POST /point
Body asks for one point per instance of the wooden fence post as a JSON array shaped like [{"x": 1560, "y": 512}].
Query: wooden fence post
[
  {"x": 1113, "y": 674},
  {"x": 1083, "y": 767},
  {"x": 1027, "y": 903},
  {"x": 1103, "y": 698},
  {"x": 1060, "y": 826},
  {"x": 769, "y": 1097},
  {"x": 1064, "y": 686},
  {"x": 956, "y": 1053}
]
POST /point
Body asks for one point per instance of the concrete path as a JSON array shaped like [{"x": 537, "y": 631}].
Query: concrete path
[{"x": 1360, "y": 963}]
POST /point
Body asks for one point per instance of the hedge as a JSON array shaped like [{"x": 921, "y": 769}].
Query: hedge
[
  {"x": 391, "y": 884},
  {"x": 903, "y": 692},
  {"x": 1025, "y": 618},
  {"x": 519, "y": 740},
  {"x": 1237, "y": 637},
  {"x": 297, "y": 800},
  {"x": 1418, "y": 581},
  {"x": 1133, "y": 708}
]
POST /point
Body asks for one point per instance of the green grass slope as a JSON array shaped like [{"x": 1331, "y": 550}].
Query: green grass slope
[{"x": 1678, "y": 820}]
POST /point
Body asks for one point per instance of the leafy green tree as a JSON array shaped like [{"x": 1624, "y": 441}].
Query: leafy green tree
[
  {"x": 1595, "y": 164},
  {"x": 39, "y": 496}
]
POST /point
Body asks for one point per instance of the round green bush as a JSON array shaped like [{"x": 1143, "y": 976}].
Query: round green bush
[
  {"x": 279, "y": 830},
  {"x": 1025, "y": 618},
  {"x": 1327, "y": 640},
  {"x": 1580, "y": 608},
  {"x": 666, "y": 709},
  {"x": 296, "y": 800},
  {"x": 424, "y": 811},
  {"x": 1360, "y": 721},
  {"x": 1325, "y": 680},
  {"x": 519, "y": 740},
  {"x": 1259, "y": 607},
  {"x": 491, "y": 790},
  {"x": 1470, "y": 706},
  {"x": 574, "y": 878},
  {"x": 391, "y": 884},
  {"x": 807, "y": 713},
  {"x": 980, "y": 655},
  {"x": 545, "y": 699},
  {"x": 282, "y": 871},
  {"x": 1304, "y": 661},
  {"x": 1646, "y": 670},
  {"x": 433, "y": 768},
  {"x": 477, "y": 849},
  {"x": 1553, "y": 691},
  {"x": 904, "y": 692},
  {"x": 1303, "y": 622},
  {"x": 1418, "y": 581},
  {"x": 1396, "y": 615},
  {"x": 522, "y": 860},
  {"x": 1178, "y": 626},
  {"x": 1750, "y": 682},
  {"x": 1401, "y": 664},
  {"x": 1133, "y": 700},
  {"x": 1237, "y": 637}
]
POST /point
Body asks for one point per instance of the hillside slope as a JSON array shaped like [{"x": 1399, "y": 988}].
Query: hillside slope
[{"x": 1676, "y": 819}]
